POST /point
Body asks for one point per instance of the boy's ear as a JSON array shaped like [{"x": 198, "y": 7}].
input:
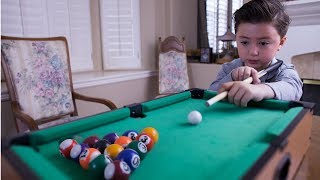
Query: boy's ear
[{"x": 282, "y": 41}]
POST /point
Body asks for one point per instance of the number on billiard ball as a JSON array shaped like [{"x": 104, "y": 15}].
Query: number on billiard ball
[
  {"x": 132, "y": 134},
  {"x": 146, "y": 139},
  {"x": 139, "y": 147},
  {"x": 117, "y": 170},
  {"x": 131, "y": 157},
  {"x": 152, "y": 132}
]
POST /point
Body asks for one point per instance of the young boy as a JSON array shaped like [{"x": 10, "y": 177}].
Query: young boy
[{"x": 261, "y": 27}]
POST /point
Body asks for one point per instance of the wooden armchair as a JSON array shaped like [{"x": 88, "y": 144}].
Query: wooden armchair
[
  {"x": 39, "y": 81},
  {"x": 173, "y": 67}
]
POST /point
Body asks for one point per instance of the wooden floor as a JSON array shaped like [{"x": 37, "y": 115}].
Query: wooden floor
[{"x": 310, "y": 167}]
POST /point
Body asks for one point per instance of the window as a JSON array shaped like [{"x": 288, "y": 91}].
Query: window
[
  {"x": 120, "y": 34},
  {"x": 217, "y": 16},
  {"x": 72, "y": 19}
]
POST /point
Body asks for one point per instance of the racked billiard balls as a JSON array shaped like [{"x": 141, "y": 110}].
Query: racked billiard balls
[
  {"x": 91, "y": 140},
  {"x": 152, "y": 132},
  {"x": 113, "y": 150},
  {"x": 101, "y": 145},
  {"x": 77, "y": 150},
  {"x": 87, "y": 156},
  {"x": 146, "y": 139},
  {"x": 117, "y": 170},
  {"x": 66, "y": 146},
  {"x": 123, "y": 141},
  {"x": 132, "y": 134},
  {"x": 111, "y": 137},
  {"x": 131, "y": 157},
  {"x": 98, "y": 164},
  {"x": 139, "y": 147}
]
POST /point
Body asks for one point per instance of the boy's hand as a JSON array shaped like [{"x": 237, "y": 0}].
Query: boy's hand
[
  {"x": 240, "y": 93},
  {"x": 244, "y": 72}
]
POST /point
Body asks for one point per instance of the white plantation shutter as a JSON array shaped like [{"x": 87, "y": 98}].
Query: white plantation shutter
[
  {"x": 46, "y": 18},
  {"x": 217, "y": 17},
  {"x": 120, "y": 34}
]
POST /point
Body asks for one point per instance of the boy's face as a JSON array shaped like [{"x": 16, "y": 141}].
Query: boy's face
[{"x": 258, "y": 44}]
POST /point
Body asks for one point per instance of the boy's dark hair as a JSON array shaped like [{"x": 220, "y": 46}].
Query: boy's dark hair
[{"x": 263, "y": 11}]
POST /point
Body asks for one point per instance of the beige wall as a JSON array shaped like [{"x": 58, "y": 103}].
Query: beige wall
[{"x": 158, "y": 18}]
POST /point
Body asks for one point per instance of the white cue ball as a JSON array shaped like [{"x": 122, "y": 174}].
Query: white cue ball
[{"x": 194, "y": 117}]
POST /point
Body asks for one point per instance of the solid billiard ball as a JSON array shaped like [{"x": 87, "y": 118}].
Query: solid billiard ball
[
  {"x": 113, "y": 150},
  {"x": 152, "y": 132},
  {"x": 123, "y": 141},
  {"x": 131, "y": 134},
  {"x": 146, "y": 139},
  {"x": 101, "y": 145},
  {"x": 77, "y": 150},
  {"x": 139, "y": 147},
  {"x": 87, "y": 156},
  {"x": 131, "y": 157},
  {"x": 91, "y": 140},
  {"x": 111, "y": 137},
  {"x": 66, "y": 146},
  {"x": 117, "y": 170},
  {"x": 98, "y": 164},
  {"x": 194, "y": 117}
]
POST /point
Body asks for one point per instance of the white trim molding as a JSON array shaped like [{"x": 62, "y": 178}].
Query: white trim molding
[{"x": 304, "y": 12}]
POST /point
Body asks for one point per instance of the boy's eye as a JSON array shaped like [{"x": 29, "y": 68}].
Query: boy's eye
[
  {"x": 244, "y": 42},
  {"x": 264, "y": 43}
]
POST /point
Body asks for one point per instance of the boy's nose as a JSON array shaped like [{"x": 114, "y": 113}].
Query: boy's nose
[{"x": 254, "y": 51}]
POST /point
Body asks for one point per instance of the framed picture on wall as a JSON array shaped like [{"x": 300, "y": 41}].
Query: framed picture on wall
[{"x": 205, "y": 55}]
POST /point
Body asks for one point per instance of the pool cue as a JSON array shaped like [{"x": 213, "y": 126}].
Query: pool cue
[{"x": 249, "y": 80}]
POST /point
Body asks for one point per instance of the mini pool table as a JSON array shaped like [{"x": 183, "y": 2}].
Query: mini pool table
[{"x": 266, "y": 140}]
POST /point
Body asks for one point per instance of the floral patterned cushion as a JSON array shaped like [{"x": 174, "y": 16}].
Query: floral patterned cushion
[
  {"x": 40, "y": 76},
  {"x": 173, "y": 73}
]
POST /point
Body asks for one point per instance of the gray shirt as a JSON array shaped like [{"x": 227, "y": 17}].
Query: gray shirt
[{"x": 285, "y": 81}]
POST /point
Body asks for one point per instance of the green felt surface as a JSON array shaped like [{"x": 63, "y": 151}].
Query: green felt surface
[{"x": 228, "y": 136}]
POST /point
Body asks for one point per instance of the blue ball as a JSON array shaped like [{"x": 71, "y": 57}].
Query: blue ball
[
  {"x": 131, "y": 134},
  {"x": 77, "y": 150},
  {"x": 131, "y": 157}
]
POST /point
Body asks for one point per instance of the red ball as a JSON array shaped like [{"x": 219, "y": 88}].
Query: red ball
[
  {"x": 117, "y": 170},
  {"x": 91, "y": 140},
  {"x": 66, "y": 146},
  {"x": 146, "y": 139}
]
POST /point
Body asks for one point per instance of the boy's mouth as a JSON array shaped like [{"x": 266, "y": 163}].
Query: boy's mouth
[{"x": 253, "y": 61}]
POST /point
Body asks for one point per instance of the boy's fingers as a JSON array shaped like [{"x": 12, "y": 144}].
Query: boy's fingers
[{"x": 226, "y": 87}]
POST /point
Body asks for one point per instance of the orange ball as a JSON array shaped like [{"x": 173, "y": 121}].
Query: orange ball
[
  {"x": 123, "y": 141},
  {"x": 113, "y": 150},
  {"x": 87, "y": 156},
  {"x": 152, "y": 132}
]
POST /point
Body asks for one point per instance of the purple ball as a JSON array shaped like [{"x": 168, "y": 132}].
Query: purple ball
[{"x": 111, "y": 137}]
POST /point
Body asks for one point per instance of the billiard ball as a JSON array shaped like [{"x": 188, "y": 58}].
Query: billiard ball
[
  {"x": 87, "y": 156},
  {"x": 139, "y": 147},
  {"x": 77, "y": 150},
  {"x": 194, "y": 117},
  {"x": 117, "y": 170},
  {"x": 66, "y": 146},
  {"x": 91, "y": 140},
  {"x": 113, "y": 150},
  {"x": 131, "y": 134},
  {"x": 98, "y": 164},
  {"x": 111, "y": 137},
  {"x": 152, "y": 132},
  {"x": 101, "y": 145},
  {"x": 146, "y": 139},
  {"x": 131, "y": 157},
  {"x": 123, "y": 141}
]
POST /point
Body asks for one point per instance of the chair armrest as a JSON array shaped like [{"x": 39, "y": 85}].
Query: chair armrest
[
  {"x": 106, "y": 102},
  {"x": 28, "y": 120}
]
